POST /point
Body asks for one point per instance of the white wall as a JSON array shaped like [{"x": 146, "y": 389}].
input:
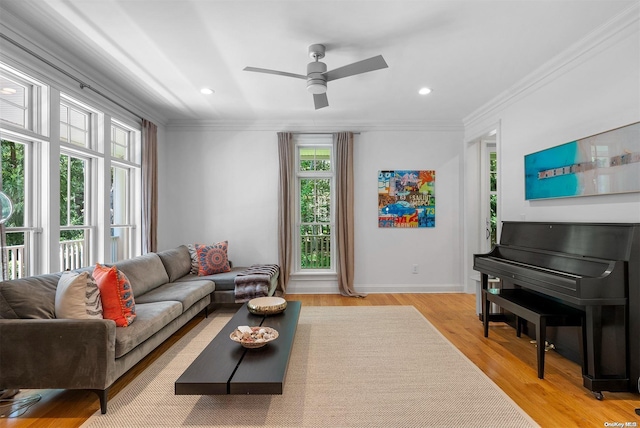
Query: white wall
[
  {"x": 590, "y": 93},
  {"x": 384, "y": 257},
  {"x": 600, "y": 94},
  {"x": 591, "y": 88},
  {"x": 216, "y": 186},
  {"x": 222, "y": 185}
]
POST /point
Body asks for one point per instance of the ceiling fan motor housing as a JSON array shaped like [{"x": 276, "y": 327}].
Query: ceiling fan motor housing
[{"x": 316, "y": 80}]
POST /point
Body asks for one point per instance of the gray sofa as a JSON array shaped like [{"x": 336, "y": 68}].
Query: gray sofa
[{"x": 39, "y": 351}]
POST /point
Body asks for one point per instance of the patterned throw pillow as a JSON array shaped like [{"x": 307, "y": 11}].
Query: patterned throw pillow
[
  {"x": 212, "y": 258},
  {"x": 194, "y": 258},
  {"x": 78, "y": 297},
  {"x": 116, "y": 294}
]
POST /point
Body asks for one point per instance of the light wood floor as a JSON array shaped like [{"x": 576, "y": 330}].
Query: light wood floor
[{"x": 559, "y": 400}]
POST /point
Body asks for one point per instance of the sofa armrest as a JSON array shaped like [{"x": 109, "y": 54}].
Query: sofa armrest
[{"x": 57, "y": 353}]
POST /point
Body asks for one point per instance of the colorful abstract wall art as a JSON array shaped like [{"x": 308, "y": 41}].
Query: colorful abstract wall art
[
  {"x": 406, "y": 198},
  {"x": 601, "y": 164}
]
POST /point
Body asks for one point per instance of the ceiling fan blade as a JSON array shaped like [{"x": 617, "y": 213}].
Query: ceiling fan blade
[
  {"x": 320, "y": 100},
  {"x": 364, "y": 66},
  {"x": 279, "y": 73}
]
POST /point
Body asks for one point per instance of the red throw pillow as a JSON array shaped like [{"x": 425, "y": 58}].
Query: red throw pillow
[
  {"x": 116, "y": 295},
  {"x": 212, "y": 258}
]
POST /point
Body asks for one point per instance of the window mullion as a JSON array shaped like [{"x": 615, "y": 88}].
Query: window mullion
[{"x": 314, "y": 167}]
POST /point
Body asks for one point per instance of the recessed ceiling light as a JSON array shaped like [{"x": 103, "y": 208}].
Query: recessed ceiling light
[
  {"x": 206, "y": 91},
  {"x": 424, "y": 91}
]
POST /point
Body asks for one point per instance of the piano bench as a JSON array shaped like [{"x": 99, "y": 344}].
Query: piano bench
[{"x": 538, "y": 310}]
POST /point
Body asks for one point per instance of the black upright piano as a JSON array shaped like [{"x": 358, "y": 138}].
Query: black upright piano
[{"x": 593, "y": 267}]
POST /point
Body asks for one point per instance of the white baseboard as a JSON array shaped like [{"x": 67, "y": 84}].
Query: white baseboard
[{"x": 310, "y": 287}]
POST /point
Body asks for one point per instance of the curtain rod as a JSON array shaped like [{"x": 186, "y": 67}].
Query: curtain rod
[
  {"x": 83, "y": 85},
  {"x": 316, "y": 133}
]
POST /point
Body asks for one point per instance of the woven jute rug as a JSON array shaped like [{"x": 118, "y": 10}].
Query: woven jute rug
[{"x": 363, "y": 366}]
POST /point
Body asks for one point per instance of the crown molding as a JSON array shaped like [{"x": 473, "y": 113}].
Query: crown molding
[
  {"x": 16, "y": 29},
  {"x": 618, "y": 27},
  {"x": 313, "y": 126}
]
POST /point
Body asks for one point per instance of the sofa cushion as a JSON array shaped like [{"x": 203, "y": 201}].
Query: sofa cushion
[
  {"x": 32, "y": 297},
  {"x": 177, "y": 262},
  {"x": 78, "y": 297},
  {"x": 212, "y": 258},
  {"x": 223, "y": 281},
  {"x": 118, "y": 303},
  {"x": 187, "y": 293},
  {"x": 144, "y": 272},
  {"x": 151, "y": 318}
]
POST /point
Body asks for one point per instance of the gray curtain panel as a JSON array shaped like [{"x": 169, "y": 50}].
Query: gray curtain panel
[
  {"x": 149, "y": 187},
  {"x": 343, "y": 142},
  {"x": 286, "y": 204},
  {"x": 344, "y": 211}
]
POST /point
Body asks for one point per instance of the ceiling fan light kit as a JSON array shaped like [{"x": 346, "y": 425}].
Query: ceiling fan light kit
[
  {"x": 316, "y": 80},
  {"x": 318, "y": 76}
]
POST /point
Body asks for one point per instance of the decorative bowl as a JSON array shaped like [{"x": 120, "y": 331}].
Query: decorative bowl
[
  {"x": 253, "y": 337},
  {"x": 266, "y": 305}
]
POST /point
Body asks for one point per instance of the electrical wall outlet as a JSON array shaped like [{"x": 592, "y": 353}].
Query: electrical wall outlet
[{"x": 414, "y": 269}]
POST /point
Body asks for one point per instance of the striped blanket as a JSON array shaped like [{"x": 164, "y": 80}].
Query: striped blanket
[{"x": 254, "y": 281}]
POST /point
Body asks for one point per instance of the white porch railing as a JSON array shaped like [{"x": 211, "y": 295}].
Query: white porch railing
[
  {"x": 15, "y": 256},
  {"x": 315, "y": 251},
  {"x": 72, "y": 256}
]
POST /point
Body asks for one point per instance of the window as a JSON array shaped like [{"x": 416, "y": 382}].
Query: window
[
  {"x": 14, "y": 97},
  {"x": 125, "y": 173},
  {"x": 74, "y": 235},
  {"x": 493, "y": 196},
  {"x": 120, "y": 142},
  {"x": 75, "y": 124},
  {"x": 20, "y": 104},
  {"x": 15, "y": 173},
  {"x": 77, "y": 129},
  {"x": 489, "y": 171},
  {"x": 315, "y": 200},
  {"x": 123, "y": 191},
  {"x": 94, "y": 216}
]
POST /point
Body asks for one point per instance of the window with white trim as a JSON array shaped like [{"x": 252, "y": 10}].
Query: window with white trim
[
  {"x": 78, "y": 157},
  {"x": 489, "y": 194},
  {"x": 121, "y": 139},
  {"x": 14, "y": 100},
  {"x": 92, "y": 165},
  {"x": 75, "y": 206},
  {"x": 20, "y": 109},
  {"x": 16, "y": 177},
  {"x": 76, "y": 123},
  {"x": 315, "y": 202},
  {"x": 125, "y": 167}
]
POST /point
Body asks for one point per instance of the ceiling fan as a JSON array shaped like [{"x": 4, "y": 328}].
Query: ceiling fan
[{"x": 318, "y": 76}]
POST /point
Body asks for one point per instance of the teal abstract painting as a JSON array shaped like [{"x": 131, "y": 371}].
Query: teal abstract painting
[{"x": 601, "y": 164}]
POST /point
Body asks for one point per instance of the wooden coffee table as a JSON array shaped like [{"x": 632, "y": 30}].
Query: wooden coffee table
[{"x": 225, "y": 367}]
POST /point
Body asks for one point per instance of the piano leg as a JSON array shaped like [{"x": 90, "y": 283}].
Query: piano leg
[
  {"x": 486, "y": 307},
  {"x": 486, "y": 304},
  {"x": 582, "y": 344},
  {"x": 541, "y": 337},
  {"x": 519, "y": 322}
]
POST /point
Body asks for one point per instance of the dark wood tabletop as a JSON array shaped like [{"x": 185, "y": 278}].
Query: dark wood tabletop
[{"x": 225, "y": 367}]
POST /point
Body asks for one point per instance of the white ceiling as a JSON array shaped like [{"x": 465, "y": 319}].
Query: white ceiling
[{"x": 157, "y": 54}]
